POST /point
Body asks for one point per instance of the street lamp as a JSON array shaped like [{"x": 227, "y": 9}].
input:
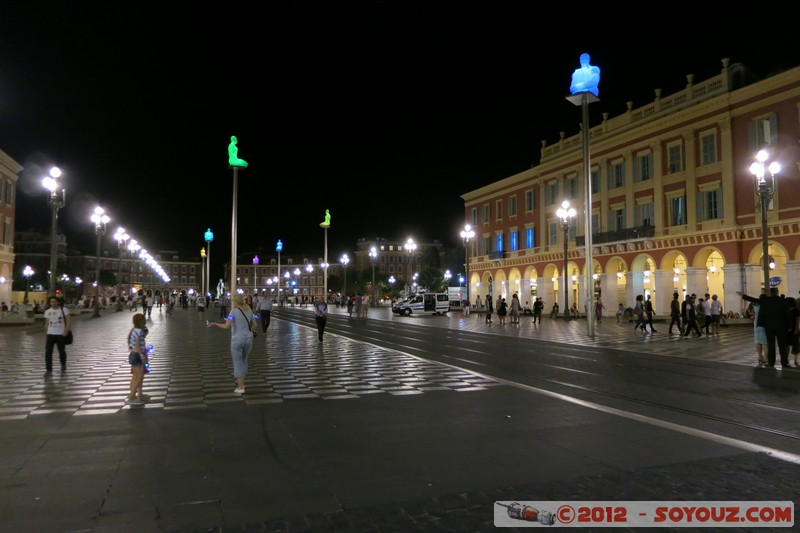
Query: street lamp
[
  {"x": 56, "y": 203},
  {"x": 255, "y": 275},
  {"x": 447, "y": 276},
  {"x": 27, "y": 272},
  {"x": 278, "y": 248},
  {"x": 765, "y": 181},
  {"x": 121, "y": 237},
  {"x": 566, "y": 213},
  {"x": 344, "y": 260},
  {"x": 373, "y": 255},
  {"x": 410, "y": 247},
  {"x": 309, "y": 269},
  {"x": 64, "y": 280},
  {"x": 209, "y": 236},
  {"x": 133, "y": 248},
  {"x": 100, "y": 220},
  {"x": 466, "y": 234}
]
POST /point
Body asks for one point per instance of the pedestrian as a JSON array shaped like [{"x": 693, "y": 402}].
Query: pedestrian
[
  {"x": 700, "y": 309},
  {"x": 638, "y": 311},
  {"x": 675, "y": 314},
  {"x": 265, "y": 311},
  {"x": 359, "y": 301},
  {"x": 489, "y": 309},
  {"x": 502, "y": 310},
  {"x": 137, "y": 358},
  {"x": 554, "y": 310},
  {"x": 794, "y": 339},
  {"x": 759, "y": 336},
  {"x": 466, "y": 307},
  {"x": 687, "y": 301},
  {"x": 538, "y": 309},
  {"x": 57, "y": 325},
  {"x": 201, "y": 307},
  {"x": 149, "y": 304},
  {"x": 349, "y": 307},
  {"x": 715, "y": 314},
  {"x": 620, "y": 312},
  {"x": 223, "y": 306},
  {"x": 775, "y": 317},
  {"x": 706, "y": 322},
  {"x": 649, "y": 314},
  {"x": 691, "y": 318},
  {"x": 598, "y": 309},
  {"x": 515, "y": 308},
  {"x": 238, "y": 321},
  {"x": 320, "y": 315}
]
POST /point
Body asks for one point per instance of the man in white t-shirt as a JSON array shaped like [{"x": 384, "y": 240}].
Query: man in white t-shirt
[{"x": 56, "y": 325}]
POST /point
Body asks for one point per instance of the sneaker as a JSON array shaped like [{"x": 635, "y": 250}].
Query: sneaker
[
  {"x": 238, "y": 391},
  {"x": 135, "y": 401},
  {"x": 144, "y": 397}
]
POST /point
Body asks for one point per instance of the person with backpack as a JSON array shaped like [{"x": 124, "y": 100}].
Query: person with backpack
[{"x": 238, "y": 321}]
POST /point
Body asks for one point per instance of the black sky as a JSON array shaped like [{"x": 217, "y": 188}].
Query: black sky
[{"x": 383, "y": 112}]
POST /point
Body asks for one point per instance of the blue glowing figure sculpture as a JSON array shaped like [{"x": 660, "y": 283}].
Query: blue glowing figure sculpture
[{"x": 585, "y": 79}]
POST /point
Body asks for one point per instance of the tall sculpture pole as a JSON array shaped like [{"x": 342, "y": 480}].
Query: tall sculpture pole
[
  {"x": 235, "y": 163},
  {"x": 584, "y": 90},
  {"x": 325, "y": 224},
  {"x": 209, "y": 236}
]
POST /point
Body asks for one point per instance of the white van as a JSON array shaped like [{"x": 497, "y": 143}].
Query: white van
[{"x": 437, "y": 303}]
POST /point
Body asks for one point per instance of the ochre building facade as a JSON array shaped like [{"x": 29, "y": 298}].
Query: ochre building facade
[{"x": 674, "y": 204}]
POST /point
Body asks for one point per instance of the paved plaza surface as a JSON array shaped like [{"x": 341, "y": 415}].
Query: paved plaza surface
[{"x": 346, "y": 434}]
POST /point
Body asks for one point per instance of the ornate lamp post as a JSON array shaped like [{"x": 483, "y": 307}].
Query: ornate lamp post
[
  {"x": 133, "y": 248},
  {"x": 765, "y": 181},
  {"x": 27, "y": 272},
  {"x": 309, "y": 269},
  {"x": 344, "y": 260},
  {"x": 373, "y": 256},
  {"x": 56, "y": 203},
  {"x": 566, "y": 213},
  {"x": 466, "y": 235},
  {"x": 209, "y": 236},
  {"x": 121, "y": 236},
  {"x": 100, "y": 220},
  {"x": 255, "y": 275},
  {"x": 447, "y": 276},
  {"x": 410, "y": 247},
  {"x": 278, "y": 248}
]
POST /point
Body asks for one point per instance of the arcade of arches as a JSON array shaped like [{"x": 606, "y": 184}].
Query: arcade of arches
[{"x": 620, "y": 278}]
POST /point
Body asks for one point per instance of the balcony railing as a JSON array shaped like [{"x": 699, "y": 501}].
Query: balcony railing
[
  {"x": 627, "y": 234},
  {"x": 496, "y": 256}
]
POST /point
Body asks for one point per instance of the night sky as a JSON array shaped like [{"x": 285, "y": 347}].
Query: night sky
[{"x": 383, "y": 112}]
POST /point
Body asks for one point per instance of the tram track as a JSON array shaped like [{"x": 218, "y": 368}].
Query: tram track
[{"x": 663, "y": 387}]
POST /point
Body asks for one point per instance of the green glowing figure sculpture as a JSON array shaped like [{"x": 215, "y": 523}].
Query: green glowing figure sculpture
[
  {"x": 585, "y": 79},
  {"x": 233, "y": 154},
  {"x": 327, "y": 222}
]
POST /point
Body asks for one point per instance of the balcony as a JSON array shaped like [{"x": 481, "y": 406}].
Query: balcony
[
  {"x": 627, "y": 234},
  {"x": 496, "y": 256}
]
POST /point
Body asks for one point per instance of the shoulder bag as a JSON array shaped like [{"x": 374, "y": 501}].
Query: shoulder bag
[{"x": 254, "y": 328}]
